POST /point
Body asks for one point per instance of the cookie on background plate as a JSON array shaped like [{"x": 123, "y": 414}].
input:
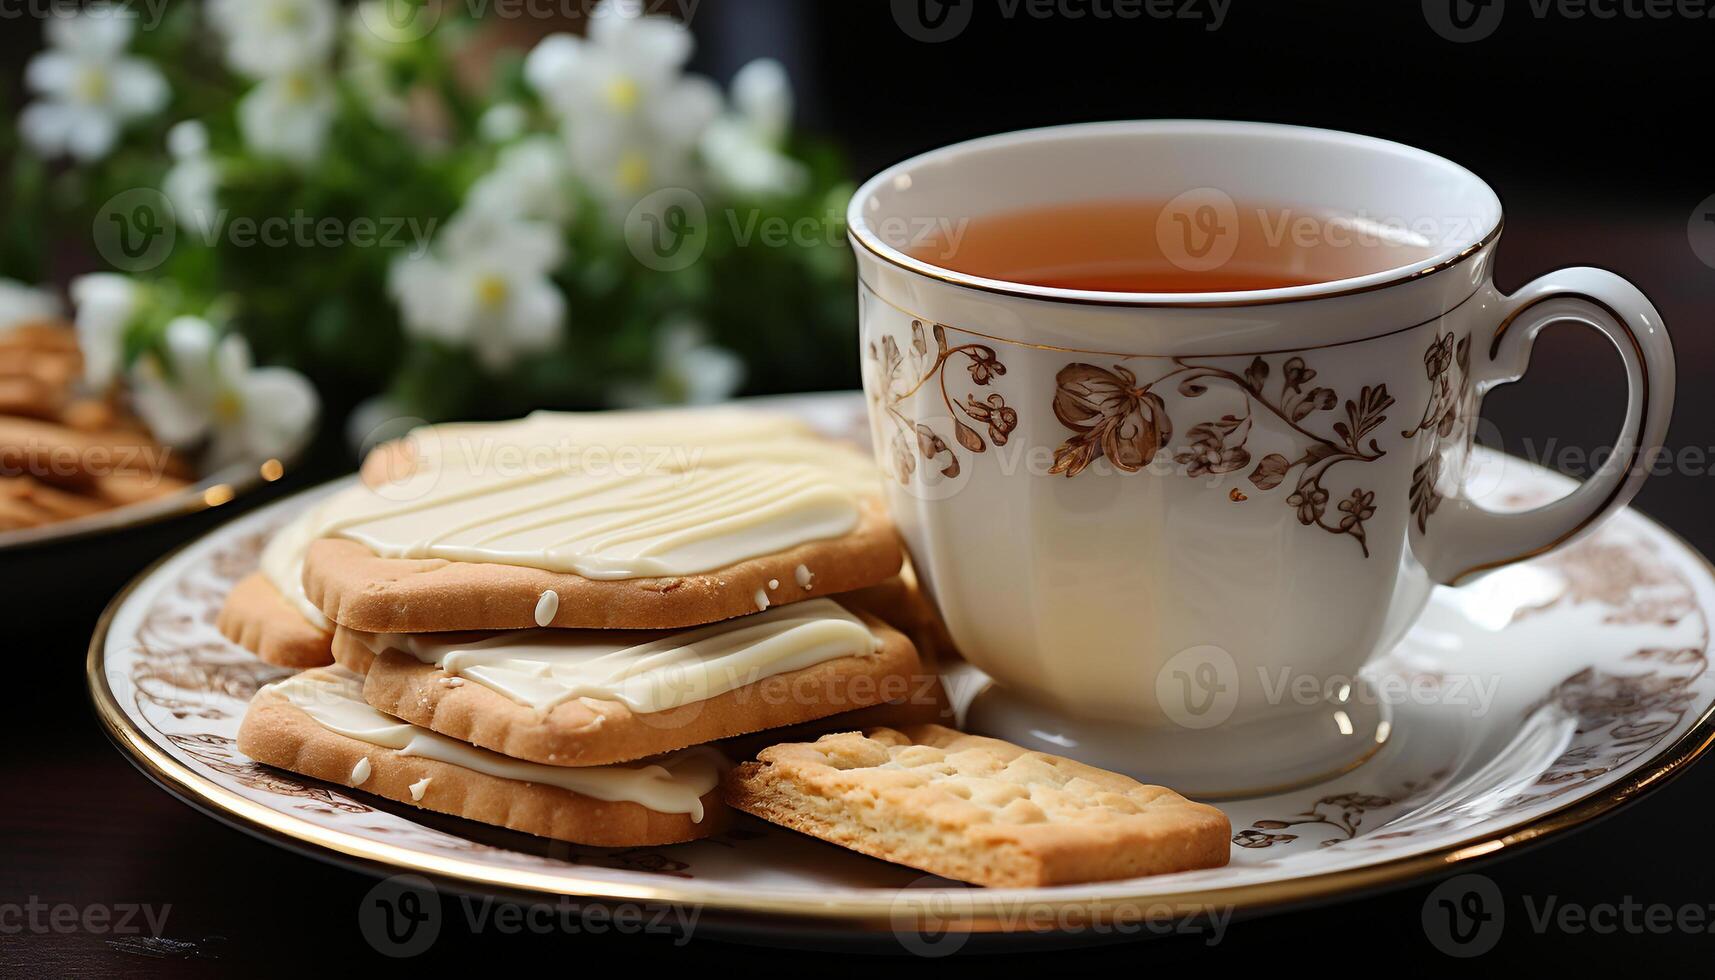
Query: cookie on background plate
[
  {"x": 593, "y": 697},
  {"x": 316, "y": 724},
  {"x": 977, "y": 809}
]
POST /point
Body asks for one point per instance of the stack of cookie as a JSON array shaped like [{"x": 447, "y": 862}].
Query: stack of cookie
[
  {"x": 65, "y": 454},
  {"x": 548, "y": 624}
]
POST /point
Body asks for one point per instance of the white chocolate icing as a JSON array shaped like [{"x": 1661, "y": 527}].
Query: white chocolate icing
[
  {"x": 761, "y": 600},
  {"x": 673, "y": 784},
  {"x": 360, "y": 772},
  {"x": 283, "y": 562},
  {"x": 420, "y": 787},
  {"x": 647, "y": 672},
  {"x": 547, "y": 606},
  {"x": 546, "y": 440},
  {"x": 804, "y": 576},
  {"x": 611, "y": 496}
]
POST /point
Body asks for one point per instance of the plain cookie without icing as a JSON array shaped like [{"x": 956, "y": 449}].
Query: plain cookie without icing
[
  {"x": 925, "y": 703},
  {"x": 977, "y": 809}
]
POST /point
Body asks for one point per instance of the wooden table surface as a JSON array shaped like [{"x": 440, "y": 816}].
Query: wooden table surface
[{"x": 81, "y": 829}]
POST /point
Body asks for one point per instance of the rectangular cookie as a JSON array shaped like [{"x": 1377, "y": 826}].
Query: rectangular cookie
[
  {"x": 926, "y": 703},
  {"x": 901, "y": 602},
  {"x": 977, "y": 809},
  {"x": 258, "y": 618},
  {"x": 712, "y": 514},
  {"x": 267, "y": 612},
  {"x": 593, "y": 697},
  {"x": 316, "y": 724},
  {"x": 355, "y": 587}
]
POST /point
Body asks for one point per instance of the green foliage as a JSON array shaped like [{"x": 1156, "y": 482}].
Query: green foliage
[{"x": 322, "y": 306}]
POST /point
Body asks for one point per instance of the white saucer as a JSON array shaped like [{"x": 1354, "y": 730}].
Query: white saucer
[
  {"x": 1340, "y": 731},
  {"x": 1525, "y": 704}
]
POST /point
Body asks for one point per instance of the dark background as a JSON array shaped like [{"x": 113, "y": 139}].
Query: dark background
[{"x": 1595, "y": 133}]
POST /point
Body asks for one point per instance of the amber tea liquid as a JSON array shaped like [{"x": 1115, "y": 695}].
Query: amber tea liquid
[{"x": 1146, "y": 246}]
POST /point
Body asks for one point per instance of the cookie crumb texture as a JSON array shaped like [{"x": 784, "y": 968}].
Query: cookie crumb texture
[{"x": 978, "y": 809}]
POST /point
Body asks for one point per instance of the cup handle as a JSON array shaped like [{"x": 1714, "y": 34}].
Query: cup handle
[{"x": 1478, "y": 540}]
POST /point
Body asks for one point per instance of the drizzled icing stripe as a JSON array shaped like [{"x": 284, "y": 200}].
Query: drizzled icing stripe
[
  {"x": 655, "y": 672},
  {"x": 707, "y": 490},
  {"x": 673, "y": 784}
]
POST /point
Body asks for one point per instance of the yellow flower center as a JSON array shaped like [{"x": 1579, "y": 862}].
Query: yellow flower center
[
  {"x": 633, "y": 171},
  {"x": 227, "y": 407},
  {"x": 91, "y": 85},
  {"x": 623, "y": 94},
  {"x": 299, "y": 87},
  {"x": 285, "y": 15},
  {"x": 491, "y": 291}
]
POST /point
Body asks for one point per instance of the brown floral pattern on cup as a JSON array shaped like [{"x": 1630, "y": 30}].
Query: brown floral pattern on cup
[
  {"x": 1450, "y": 404},
  {"x": 1115, "y": 417},
  {"x": 1111, "y": 416},
  {"x": 905, "y": 372}
]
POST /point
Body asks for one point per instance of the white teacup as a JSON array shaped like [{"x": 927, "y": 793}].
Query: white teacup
[{"x": 1135, "y": 508}]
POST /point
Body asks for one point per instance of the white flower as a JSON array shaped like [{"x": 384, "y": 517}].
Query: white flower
[
  {"x": 503, "y": 122},
  {"x": 743, "y": 147},
  {"x": 194, "y": 179},
  {"x": 374, "y": 43},
  {"x": 688, "y": 371},
  {"x": 287, "y": 46},
  {"x": 762, "y": 97},
  {"x": 107, "y": 304},
  {"x": 485, "y": 285},
  {"x": 22, "y": 305},
  {"x": 632, "y": 119},
  {"x": 89, "y": 88},
  {"x": 265, "y": 38},
  {"x": 529, "y": 180},
  {"x": 208, "y": 390},
  {"x": 288, "y": 116}
]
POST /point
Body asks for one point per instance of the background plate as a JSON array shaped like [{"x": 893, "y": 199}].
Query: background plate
[{"x": 218, "y": 488}]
